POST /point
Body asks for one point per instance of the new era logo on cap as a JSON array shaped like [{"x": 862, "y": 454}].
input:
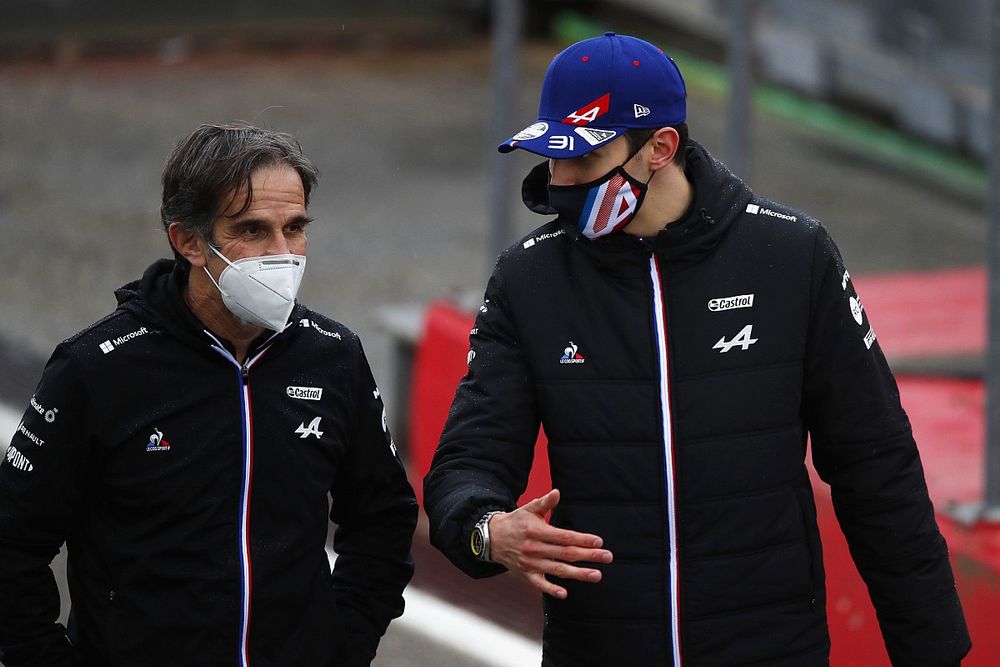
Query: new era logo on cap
[{"x": 606, "y": 85}]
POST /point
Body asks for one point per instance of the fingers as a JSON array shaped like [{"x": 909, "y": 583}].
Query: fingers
[
  {"x": 546, "y": 586},
  {"x": 525, "y": 543},
  {"x": 521, "y": 527},
  {"x": 543, "y": 504},
  {"x": 536, "y": 577},
  {"x": 561, "y": 537},
  {"x": 566, "y": 554}
]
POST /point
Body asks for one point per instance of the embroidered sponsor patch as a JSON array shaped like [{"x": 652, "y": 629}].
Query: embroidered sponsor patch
[
  {"x": 542, "y": 237},
  {"x": 18, "y": 460},
  {"x": 304, "y": 431},
  {"x": 305, "y": 393},
  {"x": 571, "y": 355},
  {"x": 730, "y": 302},
  {"x": 595, "y": 137},
  {"x": 857, "y": 310},
  {"x": 157, "y": 443},
  {"x": 110, "y": 345},
  {"x": 29, "y": 435},
  {"x": 870, "y": 338},
  {"x": 755, "y": 209}
]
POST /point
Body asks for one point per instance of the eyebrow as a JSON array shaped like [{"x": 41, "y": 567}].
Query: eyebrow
[{"x": 247, "y": 222}]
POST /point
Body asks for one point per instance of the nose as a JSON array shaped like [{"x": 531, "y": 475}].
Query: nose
[
  {"x": 562, "y": 172},
  {"x": 277, "y": 244}
]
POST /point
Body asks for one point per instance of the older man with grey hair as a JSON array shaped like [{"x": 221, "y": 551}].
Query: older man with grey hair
[{"x": 188, "y": 449}]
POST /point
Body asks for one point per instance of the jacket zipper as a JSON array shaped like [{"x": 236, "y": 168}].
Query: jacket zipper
[
  {"x": 669, "y": 460},
  {"x": 246, "y": 419}
]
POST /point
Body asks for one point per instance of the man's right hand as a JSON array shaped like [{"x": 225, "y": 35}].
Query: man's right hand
[{"x": 525, "y": 543}]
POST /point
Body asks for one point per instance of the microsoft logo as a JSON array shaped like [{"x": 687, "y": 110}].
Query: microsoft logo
[{"x": 106, "y": 346}]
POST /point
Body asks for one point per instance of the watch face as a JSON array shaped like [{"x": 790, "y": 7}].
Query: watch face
[{"x": 477, "y": 542}]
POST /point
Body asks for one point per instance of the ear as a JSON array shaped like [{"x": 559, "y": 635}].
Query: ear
[
  {"x": 188, "y": 244},
  {"x": 665, "y": 142}
]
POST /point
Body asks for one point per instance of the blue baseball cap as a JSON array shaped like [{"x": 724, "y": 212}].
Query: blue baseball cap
[{"x": 596, "y": 90}]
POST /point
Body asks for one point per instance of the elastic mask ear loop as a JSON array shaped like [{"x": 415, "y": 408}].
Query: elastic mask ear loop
[
  {"x": 209, "y": 274},
  {"x": 652, "y": 173},
  {"x": 636, "y": 152}
]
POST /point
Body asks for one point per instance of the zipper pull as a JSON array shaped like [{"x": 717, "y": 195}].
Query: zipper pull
[{"x": 245, "y": 371}]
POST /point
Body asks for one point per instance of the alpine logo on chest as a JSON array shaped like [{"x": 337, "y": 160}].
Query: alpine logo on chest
[{"x": 741, "y": 340}]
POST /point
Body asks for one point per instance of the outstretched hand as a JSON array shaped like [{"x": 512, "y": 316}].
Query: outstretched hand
[{"x": 525, "y": 543}]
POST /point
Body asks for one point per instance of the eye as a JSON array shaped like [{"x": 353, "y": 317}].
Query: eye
[{"x": 297, "y": 228}]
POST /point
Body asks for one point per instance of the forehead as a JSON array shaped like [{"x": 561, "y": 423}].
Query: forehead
[{"x": 274, "y": 188}]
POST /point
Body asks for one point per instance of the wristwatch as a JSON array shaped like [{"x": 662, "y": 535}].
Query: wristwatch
[{"x": 480, "y": 539}]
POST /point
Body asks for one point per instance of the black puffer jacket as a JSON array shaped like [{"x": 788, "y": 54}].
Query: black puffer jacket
[
  {"x": 194, "y": 494},
  {"x": 677, "y": 380}
]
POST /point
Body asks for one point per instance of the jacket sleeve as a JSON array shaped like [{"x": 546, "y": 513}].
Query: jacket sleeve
[
  {"x": 484, "y": 456},
  {"x": 376, "y": 513},
  {"x": 40, "y": 484},
  {"x": 863, "y": 448}
]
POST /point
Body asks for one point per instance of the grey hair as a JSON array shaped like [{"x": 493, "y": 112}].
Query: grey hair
[{"x": 217, "y": 160}]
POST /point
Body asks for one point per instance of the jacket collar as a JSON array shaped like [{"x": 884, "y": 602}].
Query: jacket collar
[{"x": 719, "y": 200}]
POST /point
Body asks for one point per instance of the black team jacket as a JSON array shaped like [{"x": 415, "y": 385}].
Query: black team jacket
[
  {"x": 677, "y": 379},
  {"x": 194, "y": 496}
]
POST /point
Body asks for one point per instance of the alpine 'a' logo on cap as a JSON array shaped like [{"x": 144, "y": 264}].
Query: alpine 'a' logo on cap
[{"x": 589, "y": 112}]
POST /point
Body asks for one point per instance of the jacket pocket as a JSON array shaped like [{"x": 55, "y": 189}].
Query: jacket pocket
[
  {"x": 807, "y": 509},
  {"x": 111, "y": 625}
]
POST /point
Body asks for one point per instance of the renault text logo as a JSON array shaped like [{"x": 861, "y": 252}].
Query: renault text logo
[{"x": 305, "y": 393}]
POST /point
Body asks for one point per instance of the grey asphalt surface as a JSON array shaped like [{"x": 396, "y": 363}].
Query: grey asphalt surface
[{"x": 401, "y": 139}]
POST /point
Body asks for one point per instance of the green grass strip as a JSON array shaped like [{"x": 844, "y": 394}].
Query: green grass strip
[{"x": 883, "y": 143}]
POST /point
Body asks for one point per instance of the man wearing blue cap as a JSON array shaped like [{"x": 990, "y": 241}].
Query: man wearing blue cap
[{"x": 678, "y": 337}]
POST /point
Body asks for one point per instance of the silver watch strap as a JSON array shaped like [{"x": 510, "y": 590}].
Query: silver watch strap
[{"x": 483, "y": 526}]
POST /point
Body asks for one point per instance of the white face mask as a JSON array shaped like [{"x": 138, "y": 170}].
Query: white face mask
[{"x": 261, "y": 290}]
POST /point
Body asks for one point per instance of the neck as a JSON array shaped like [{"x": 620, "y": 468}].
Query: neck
[
  {"x": 668, "y": 198},
  {"x": 205, "y": 301}
]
